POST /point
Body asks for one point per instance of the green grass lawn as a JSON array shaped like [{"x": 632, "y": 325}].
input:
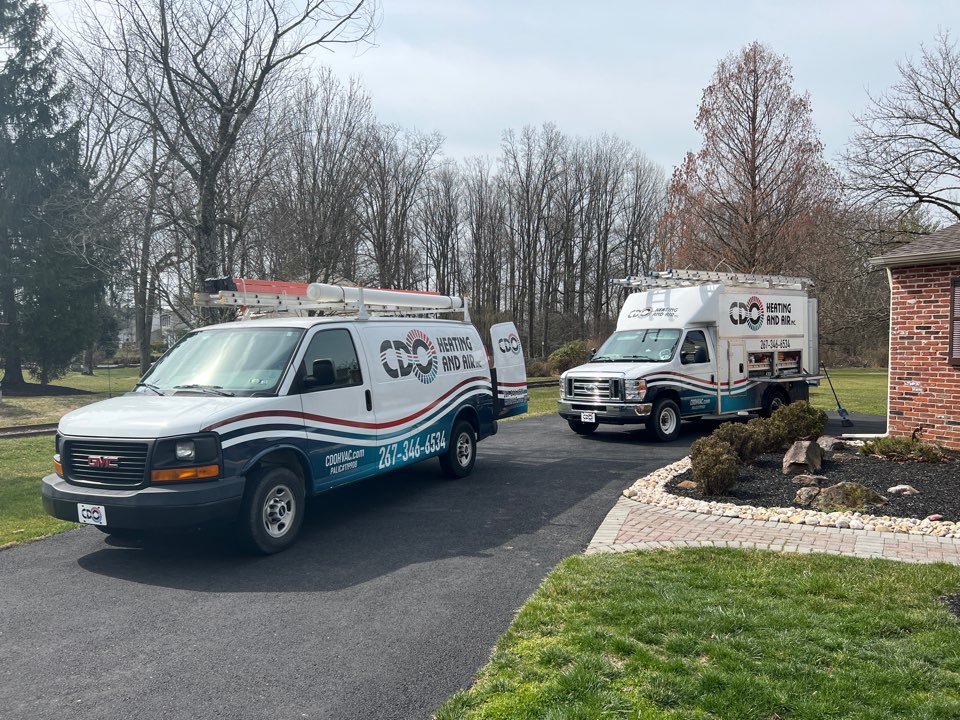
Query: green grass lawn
[
  {"x": 862, "y": 390},
  {"x": 50, "y": 408},
  {"x": 710, "y": 633},
  {"x": 23, "y": 461}
]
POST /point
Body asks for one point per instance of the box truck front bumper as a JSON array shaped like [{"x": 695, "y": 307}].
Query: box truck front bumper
[{"x": 609, "y": 413}]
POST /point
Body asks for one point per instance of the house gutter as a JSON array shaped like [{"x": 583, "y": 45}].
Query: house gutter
[{"x": 888, "y": 262}]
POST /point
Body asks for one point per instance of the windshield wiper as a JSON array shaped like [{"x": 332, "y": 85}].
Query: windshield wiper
[
  {"x": 209, "y": 389},
  {"x": 157, "y": 390}
]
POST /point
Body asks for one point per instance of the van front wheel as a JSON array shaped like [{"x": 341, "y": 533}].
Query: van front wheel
[
  {"x": 458, "y": 460},
  {"x": 665, "y": 420},
  {"x": 272, "y": 511}
]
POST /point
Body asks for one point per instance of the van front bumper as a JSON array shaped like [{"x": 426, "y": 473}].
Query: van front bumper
[
  {"x": 153, "y": 507},
  {"x": 611, "y": 414}
]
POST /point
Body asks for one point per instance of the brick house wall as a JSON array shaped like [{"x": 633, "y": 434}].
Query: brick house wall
[{"x": 924, "y": 388}]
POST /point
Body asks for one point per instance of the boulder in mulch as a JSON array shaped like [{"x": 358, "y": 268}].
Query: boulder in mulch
[
  {"x": 687, "y": 484},
  {"x": 847, "y": 496},
  {"x": 804, "y": 456},
  {"x": 805, "y": 495},
  {"x": 809, "y": 480},
  {"x": 830, "y": 444}
]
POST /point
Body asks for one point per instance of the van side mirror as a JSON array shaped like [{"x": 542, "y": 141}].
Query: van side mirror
[
  {"x": 593, "y": 351},
  {"x": 323, "y": 375}
]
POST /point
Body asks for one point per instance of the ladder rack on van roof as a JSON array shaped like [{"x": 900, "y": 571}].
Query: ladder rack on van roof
[
  {"x": 257, "y": 298},
  {"x": 689, "y": 278}
]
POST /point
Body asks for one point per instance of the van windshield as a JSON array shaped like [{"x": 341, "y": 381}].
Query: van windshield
[
  {"x": 653, "y": 345},
  {"x": 232, "y": 361}
]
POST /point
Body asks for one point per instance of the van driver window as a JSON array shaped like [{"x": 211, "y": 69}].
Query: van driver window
[
  {"x": 694, "y": 348},
  {"x": 337, "y": 346}
]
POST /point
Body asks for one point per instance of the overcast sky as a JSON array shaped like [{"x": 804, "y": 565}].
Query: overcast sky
[{"x": 472, "y": 68}]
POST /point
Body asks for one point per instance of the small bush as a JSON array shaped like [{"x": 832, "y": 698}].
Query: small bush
[
  {"x": 567, "y": 356},
  {"x": 800, "y": 420},
  {"x": 714, "y": 465},
  {"x": 767, "y": 435},
  {"x": 902, "y": 448},
  {"x": 538, "y": 368},
  {"x": 741, "y": 438}
]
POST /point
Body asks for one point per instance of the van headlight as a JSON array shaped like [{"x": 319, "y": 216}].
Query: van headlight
[
  {"x": 634, "y": 389},
  {"x": 186, "y": 450},
  {"x": 186, "y": 458}
]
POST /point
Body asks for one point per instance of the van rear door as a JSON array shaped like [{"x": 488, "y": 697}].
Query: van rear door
[{"x": 508, "y": 372}]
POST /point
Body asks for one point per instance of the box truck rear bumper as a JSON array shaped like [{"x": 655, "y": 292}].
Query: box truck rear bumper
[
  {"x": 611, "y": 414},
  {"x": 188, "y": 504}
]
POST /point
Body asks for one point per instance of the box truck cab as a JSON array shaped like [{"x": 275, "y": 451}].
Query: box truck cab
[
  {"x": 693, "y": 344},
  {"x": 243, "y": 421}
]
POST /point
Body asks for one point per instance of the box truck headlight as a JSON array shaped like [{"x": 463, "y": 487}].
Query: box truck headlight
[{"x": 635, "y": 389}]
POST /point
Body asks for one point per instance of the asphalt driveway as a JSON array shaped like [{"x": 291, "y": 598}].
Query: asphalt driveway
[{"x": 390, "y": 602}]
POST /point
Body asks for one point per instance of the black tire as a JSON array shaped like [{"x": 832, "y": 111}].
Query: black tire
[
  {"x": 773, "y": 400},
  {"x": 582, "y": 428},
  {"x": 665, "y": 420},
  {"x": 461, "y": 454},
  {"x": 273, "y": 509}
]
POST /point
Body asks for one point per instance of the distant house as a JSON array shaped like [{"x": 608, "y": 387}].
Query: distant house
[{"x": 924, "y": 385}]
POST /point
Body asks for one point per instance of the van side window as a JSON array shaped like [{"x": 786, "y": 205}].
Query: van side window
[
  {"x": 336, "y": 346},
  {"x": 694, "y": 349}
]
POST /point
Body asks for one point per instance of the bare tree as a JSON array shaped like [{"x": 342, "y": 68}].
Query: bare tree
[
  {"x": 744, "y": 198},
  {"x": 198, "y": 70},
  {"x": 907, "y": 150}
]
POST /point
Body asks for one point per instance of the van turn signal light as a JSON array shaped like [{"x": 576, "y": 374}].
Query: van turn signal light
[{"x": 189, "y": 473}]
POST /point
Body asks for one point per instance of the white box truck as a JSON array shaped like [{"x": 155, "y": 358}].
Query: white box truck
[
  {"x": 243, "y": 421},
  {"x": 693, "y": 344}
]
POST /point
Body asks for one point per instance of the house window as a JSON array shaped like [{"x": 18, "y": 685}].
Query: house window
[{"x": 955, "y": 321}]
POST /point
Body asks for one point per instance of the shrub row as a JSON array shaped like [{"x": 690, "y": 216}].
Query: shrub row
[{"x": 715, "y": 459}]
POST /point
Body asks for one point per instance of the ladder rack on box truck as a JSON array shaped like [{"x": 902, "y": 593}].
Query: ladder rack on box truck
[{"x": 697, "y": 343}]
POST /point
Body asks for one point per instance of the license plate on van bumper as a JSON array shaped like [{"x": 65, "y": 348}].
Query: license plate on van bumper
[
  {"x": 588, "y": 417},
  {"x": 92, "y": 514}
]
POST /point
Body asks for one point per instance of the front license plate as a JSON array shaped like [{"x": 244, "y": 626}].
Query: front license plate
[
  {"x": 92, "y": 514},
  {"x": 588, "y": 417}
]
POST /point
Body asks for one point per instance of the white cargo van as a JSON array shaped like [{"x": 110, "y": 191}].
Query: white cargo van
[
  {"x": 693, "y": 344},
  {"x": 242, "y": 421}
]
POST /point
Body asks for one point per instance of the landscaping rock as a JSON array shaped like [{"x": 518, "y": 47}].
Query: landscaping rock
[
  {"x": 804, "y": 456},
  {"x": 903, "y": 490},
  {"x": 830, "y": 444},
  {"x": 809, "y": 480},
  {"x": 687, "y": 485},
  {"x": 934, "y": 517},
  {"x": 847, "y": 495},
  {"x": 805, "y": 495}
]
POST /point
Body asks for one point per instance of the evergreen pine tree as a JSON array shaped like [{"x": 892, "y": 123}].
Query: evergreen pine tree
[{"x": 47, "y": 294}]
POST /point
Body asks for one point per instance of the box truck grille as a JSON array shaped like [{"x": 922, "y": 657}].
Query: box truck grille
[
  {"x": 594, "y": 388},
  {"x": 105, "y": 463}
]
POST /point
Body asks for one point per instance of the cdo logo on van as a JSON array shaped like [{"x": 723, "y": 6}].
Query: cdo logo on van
[
  {"x": 509, "y": 344},
  {"x": 750, "y": 313},
  {"x": 415, "y": 355}
]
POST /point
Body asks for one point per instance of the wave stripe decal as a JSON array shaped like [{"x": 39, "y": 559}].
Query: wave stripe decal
[
  {"x": 349, "y": 423},
  {"x": 506, "y": 384}
]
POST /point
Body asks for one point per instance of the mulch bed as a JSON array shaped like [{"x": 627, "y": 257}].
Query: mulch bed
[{"x": 763, "y": 484}]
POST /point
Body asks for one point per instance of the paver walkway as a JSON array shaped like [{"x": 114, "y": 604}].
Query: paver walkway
[{"x": 634, "y": 526}]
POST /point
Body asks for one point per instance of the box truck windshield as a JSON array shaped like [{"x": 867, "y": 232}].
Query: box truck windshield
[{"x": 654, "y": 345}]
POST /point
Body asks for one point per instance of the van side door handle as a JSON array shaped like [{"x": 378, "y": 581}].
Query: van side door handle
[{"x": 369, "y": 400}]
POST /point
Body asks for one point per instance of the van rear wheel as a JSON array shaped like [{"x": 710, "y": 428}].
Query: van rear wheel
[
  {"x": 582, "y": 428},
  {"x": 272, "y": 513},
  {"x": 665, "y": 420},
  {"x": 773, "y": 401},
  {"x": 461, "y": 454}
]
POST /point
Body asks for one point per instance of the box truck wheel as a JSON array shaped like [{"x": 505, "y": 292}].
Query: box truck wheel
[
  {"x": 272, "y": 510},
  {"x": 665, "y": 420},
  {"x": 458, "y": 460},
  {"x": 582, "y": 428},
  {"x": 773, "y": 400}
]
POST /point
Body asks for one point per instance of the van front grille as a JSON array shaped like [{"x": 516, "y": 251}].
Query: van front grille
[
  {"x": 105, "y": 463},
  {"x": 596, "y": 389}
]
